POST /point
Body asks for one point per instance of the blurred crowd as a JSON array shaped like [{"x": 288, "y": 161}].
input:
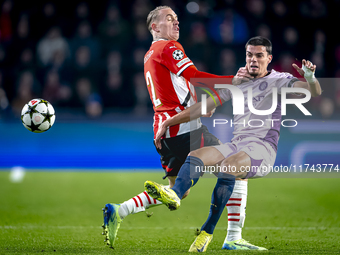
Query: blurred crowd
[{"x": 87, "y": 56}]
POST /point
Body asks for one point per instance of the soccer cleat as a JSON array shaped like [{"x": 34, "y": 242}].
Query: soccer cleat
[
  {"x": 163, "y": 194},
  {"x": 201, "y": 242},
  {"x": 241, "y": 244},
  {"x": 111, "y": 224}
]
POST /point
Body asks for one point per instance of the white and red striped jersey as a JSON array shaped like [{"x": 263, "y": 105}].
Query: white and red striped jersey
[{"x": 170, "y": 93}]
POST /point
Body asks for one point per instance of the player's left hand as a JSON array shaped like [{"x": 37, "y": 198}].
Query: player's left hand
[
  {"x": 307, "y": 68},
  {"x": 209, "y": 114},
  {"x": 161, "y": 131}
]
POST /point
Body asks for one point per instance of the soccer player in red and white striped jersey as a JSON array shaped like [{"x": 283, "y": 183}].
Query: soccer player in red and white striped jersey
[{"x": 167, "y": 71}]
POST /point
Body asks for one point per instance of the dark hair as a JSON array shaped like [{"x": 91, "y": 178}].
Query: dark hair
[{"x": 262, "y": 41}]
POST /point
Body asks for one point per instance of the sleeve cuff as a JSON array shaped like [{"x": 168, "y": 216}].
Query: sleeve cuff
[{"x": 183, "y": 68}]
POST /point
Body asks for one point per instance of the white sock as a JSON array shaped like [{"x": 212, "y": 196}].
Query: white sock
[
  {"x": 237, "y": 210},
  {"x": 137, "y": 204}
]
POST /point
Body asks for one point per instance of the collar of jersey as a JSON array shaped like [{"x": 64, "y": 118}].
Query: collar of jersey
[
  {"x": 160, "y": 40},
  {"x": 268, "y": 73}
]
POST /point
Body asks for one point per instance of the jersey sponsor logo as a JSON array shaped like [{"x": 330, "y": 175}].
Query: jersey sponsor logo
[
  {"x": 182, "y": 62},
  {"x": 148, "y": 56},
  {"x": 178, "y": 54},
  {"x": 172, "y": 47}
]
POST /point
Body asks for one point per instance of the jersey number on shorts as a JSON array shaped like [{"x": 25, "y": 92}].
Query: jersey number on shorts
[{"x": 156, "y": 101}]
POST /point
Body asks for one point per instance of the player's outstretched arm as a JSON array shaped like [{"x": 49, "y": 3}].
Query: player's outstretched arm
[
  {"x": 188, "y": 114},
  {"x": 192, "y": 72},
  {"x": 201, "y": 79},
  {"x": 307, "y": 71}
]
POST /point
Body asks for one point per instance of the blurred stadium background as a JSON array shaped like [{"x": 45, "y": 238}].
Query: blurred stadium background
[{"x": 86, "y": 58}]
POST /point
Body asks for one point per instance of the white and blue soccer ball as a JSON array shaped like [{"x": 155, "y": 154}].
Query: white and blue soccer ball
[{"x": 38, "y": 115}]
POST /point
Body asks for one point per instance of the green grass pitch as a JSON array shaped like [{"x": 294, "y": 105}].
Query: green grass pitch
[{"x": 60, "y": 213}]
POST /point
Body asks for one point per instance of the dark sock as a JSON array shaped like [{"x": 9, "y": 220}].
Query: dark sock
[
  {"x": 221, "y": 194},
  {"x": 188, "y": 175}
]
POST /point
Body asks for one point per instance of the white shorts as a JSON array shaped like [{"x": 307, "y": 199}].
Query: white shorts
[{"x": 261, "y": 153}]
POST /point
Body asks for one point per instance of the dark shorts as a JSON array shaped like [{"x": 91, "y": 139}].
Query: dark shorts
[{"x": 176, "y": 149}]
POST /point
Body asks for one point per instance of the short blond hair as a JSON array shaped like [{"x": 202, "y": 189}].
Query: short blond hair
[{"x": 153, "y": 15}]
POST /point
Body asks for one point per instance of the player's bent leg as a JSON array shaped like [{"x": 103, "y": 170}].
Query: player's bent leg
[
  {"x": 137, "y": 204},
  {"x": 193, "y": 168}
]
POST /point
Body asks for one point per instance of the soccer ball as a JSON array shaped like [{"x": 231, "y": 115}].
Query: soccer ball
[{"x": 38, "y": 115}]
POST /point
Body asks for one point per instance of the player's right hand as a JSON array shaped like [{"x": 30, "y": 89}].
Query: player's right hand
[
  {"x": 241, "y": 76},
  {"x": 161, "y": 131}
]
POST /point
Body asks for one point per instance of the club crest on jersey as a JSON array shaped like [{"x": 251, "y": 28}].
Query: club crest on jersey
[
  {"x": 263, "y": 85},
  {"x": 178, "y": 54}
]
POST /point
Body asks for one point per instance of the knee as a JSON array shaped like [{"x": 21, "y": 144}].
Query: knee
[
  {"x": 237, "y": 160},
  {"x": 235, "y": 165},
  {"x": 193, "y": 153},
  {"x": 186, "y": 194},
  {"x": 230, "y": 163}
]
